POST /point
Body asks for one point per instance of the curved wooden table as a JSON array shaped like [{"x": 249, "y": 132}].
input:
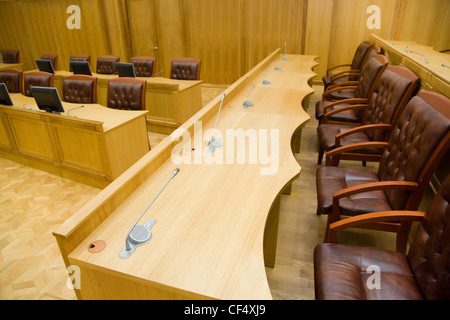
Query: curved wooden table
[{"x": 216, "y": 223}]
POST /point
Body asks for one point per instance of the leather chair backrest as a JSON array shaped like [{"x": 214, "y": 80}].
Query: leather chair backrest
[
  {"x": 359, "y": 56},
  {"x": 12, "y": 78},
  {"x": 185, "y": 69},
  {"x": 53, "y": 58},
  {"x": 391, "y": 93},
  {"x": 80, "y": 88},
  {"x": 107, "y": 64},
  {"x": 418, "y": 141},
  {"x": 370, "y": 73},
  {"x": 36, "y": 78},
  {"x": 11, "y": 56},
  {"x": 126, "y": 94},
  {"x": 429, "y": 254},
  {"x": 143, "y": 66}
]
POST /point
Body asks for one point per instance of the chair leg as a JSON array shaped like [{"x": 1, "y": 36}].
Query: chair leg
[
  {"x": 402, "y": 237},
  {"x": 320, "y": 157}
]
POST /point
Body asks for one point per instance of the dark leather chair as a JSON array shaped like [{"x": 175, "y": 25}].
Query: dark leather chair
[
  {"x": 185, "y": 69},
  {"x": 80, "y": 57},
  {"x": 36, "y": 78},
  {"x": 11, "y": 56},
  {"x": 143, "y": 66},
  {"x": 418, "y": 141},
  {"x": 13, "y": 79},
  {"x": 80, "y": 88},
  {"x": 107, "y": 64},
  {"x": 53, "y": 58},
  {"x": 126, "y": 94},
  {"x": 358, "y": 93},
  {"x": 391, "y": 93},
  {"x": 352, "y": 74},
  {"x": 342, "y": 272}
]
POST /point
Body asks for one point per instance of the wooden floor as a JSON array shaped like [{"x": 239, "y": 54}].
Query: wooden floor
[{"x": 33, "y": 203}]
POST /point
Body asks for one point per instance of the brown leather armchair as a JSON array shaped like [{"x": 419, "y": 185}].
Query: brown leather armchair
[
  {"x": 342, "y": 272},
  {"x": 80, "y": 88},
  {"x": 107, "y": 64},
  {"x": 391, "y": 93},
  {"x": 417, "y": 144},
  {"x": 352, "y": 74},
  {"x": 126, "y": 94},
  {"x": 53, "y": 59},
  {"x": 11, "y": 56},
  {"x": 13, "y": 79},
  {"x": 185, "y": 69},
  {"x": 36, "y": 78},
  {"x": 143, "y": 66},
  {"x": 358, "y": 93}
]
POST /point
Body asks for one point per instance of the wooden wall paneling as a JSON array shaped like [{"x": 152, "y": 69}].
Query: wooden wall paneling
[
  {"x": 318, "y": 33},
  {"x": 142, "y": 28},
  {"x": 116, "y": 27},
  {"x": 212, "y": 33},
  {"x": 270, "y": 24},
  {"x": 170, "y": 28},
  {"x": 13, "y": 35}
]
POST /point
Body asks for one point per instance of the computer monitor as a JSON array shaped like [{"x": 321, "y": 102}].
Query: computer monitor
[
  {"x": 5, "y": 98},
  {"x": 47, "y": 98},
  {"x": 45, "y": 65},
  {"x": 126, "y": 69},
  {"x": 80, "y": 67}
]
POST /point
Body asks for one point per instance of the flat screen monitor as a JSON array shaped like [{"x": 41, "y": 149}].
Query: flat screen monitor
[
  {"x": 45, "y": 65},
  {"x": 126, "y": 69},
  {"x": 5, "y": 98},
  {"x": 47, "y": 98},
  {"x": 80, "y": 67}
]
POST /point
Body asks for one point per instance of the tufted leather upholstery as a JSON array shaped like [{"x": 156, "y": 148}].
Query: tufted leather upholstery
[
  {"x": 417, "y": 143},
  {"x": 36, "y": 78},
  {"x": 80, "y": 88},
  {"x": 369, "y": 75},
  {"x": 391, "y": 93},
  {"x": 107, "y": 64},
  {"x": 143, "y": 66},
  {"x": 185, "y": 69},
  {"x": 11, "y": 56},
  {"x": 357, "y": 63},
  {"x": 53, "y": 58},
  {"x": 12, "y": 78},
  {"x": 341, "y": 271},
  {"x": 126, "y": 94}
]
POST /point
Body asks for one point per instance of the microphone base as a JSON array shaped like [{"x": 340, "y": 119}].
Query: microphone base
[
  {"x": 266, "y": 83},
  {"x": 277, "y": 69},
  {"x": 247, "y": 104}
]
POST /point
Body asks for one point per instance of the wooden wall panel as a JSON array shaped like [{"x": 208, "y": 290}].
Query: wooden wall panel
[{"x": 230, "y": 37}]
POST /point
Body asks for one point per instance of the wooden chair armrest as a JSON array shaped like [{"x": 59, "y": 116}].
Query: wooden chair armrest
[
  {"x": 328, "y": 92},
  {"x": 343, "y": 85},
  {"x": 345, "y": 73},
  {"x": 341, "y": 109},
  {"x": 374, "y": 217},
  {"x": 337, "y": 67},
  {"x": 367, "y": 127},
  {"x": 333, "y": 156},
  {"x": 346, "y": 101},
  {"x": 373, "y": 186}
]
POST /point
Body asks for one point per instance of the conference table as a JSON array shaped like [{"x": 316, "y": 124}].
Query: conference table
[
  {"x": 217, "y": 219},
  {"x": 170, "y": 102},
  {"x": 87, "y": 143},
  {"x": 17, "y": 66}
]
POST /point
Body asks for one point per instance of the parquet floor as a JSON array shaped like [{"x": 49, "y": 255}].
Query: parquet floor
[{"x": 33, "y": 203}]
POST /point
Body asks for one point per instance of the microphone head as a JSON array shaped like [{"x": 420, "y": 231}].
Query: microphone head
[{"x": 174, "y": 173}]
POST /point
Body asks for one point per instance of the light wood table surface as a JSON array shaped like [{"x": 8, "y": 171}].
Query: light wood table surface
[{"x": 217, "y": 223}]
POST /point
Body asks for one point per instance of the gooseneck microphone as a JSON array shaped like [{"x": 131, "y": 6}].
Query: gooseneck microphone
[
  {"x": 285, "y": 52},
  {"x": 265, "y": 81},
  {"x": 74, "y": 109},
  {"x": 213, "y": 142},
  {"x": 247, "y": 103},
  {"x": 141, "y": 234},
  {"x": 392, "y": 39},
  {"x": 420, "y": 54},
  {"x": 157, "y": 73}
]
